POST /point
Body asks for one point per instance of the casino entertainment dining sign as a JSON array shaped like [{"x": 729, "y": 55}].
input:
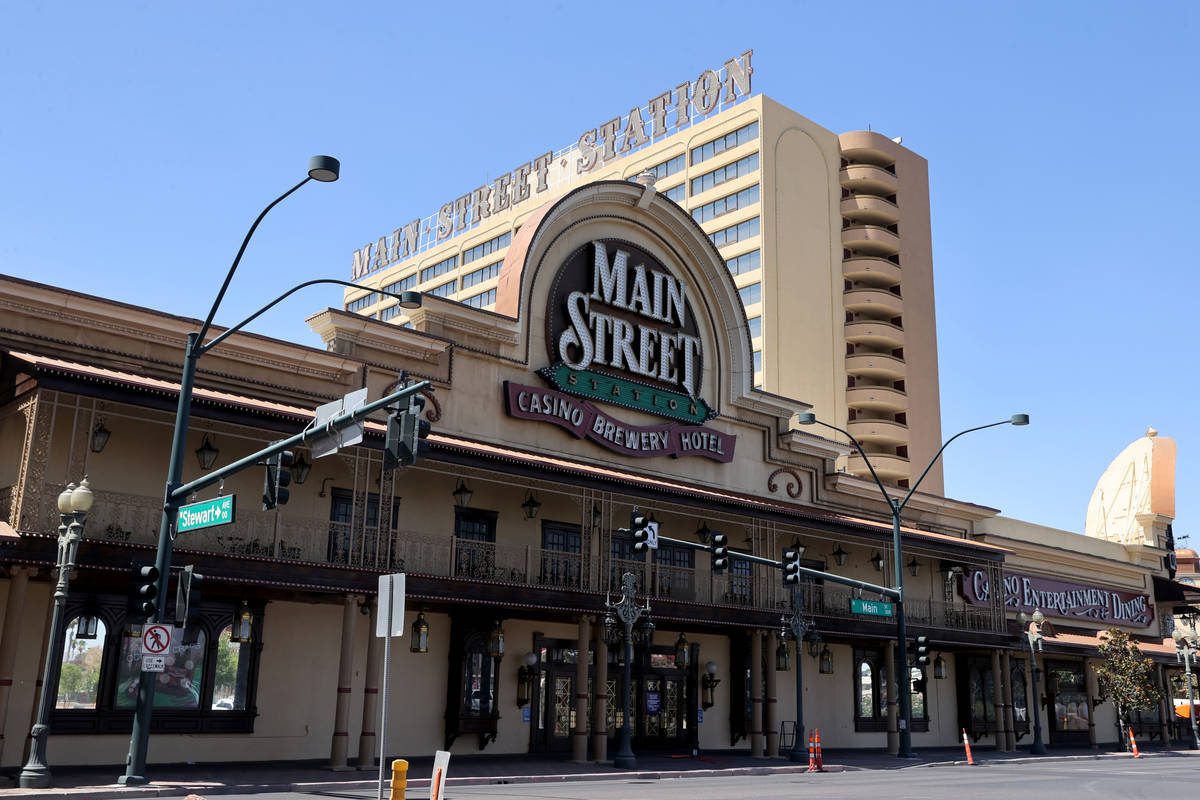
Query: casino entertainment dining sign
[{"x": 621, "y": 331}]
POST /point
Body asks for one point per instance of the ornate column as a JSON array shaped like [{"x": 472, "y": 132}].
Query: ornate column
[
  {"x": 341, "y": 716},
  {"x": 1089, "y": 679},
  {"x": 1010, "y": 723},
  {"x": 10, "y": 641},
  {"x": 889, "y": 690},
  {"x": 579, "y": 741},
  {"x": 600, "y": 711},
  {"x": 771, "y": 717},
  {"x": 998, "y": 700},
  {"x": 756, "y": 699},
  {"x": 367, "y": 743}
]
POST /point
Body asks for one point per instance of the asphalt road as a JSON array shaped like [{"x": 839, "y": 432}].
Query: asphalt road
[{"x": 1118, "y": 779}]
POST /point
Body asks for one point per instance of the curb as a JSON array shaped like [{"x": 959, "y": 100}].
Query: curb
[
  {"x": 184, "y": 789},
  {"x": 1045, "y": 759}
]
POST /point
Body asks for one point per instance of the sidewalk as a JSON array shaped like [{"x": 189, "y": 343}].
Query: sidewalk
[{"x": 212, "y": 780}]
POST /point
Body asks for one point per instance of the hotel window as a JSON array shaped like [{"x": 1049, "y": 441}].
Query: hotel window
[
  {"x": 743, "y": 166},
  {"x": 402, "y": 285},
  {"x": 723, "y": 205},
  {"x": 209, "y": 684},
  {"x": 487, "y": 248},
  {"x": 668, "y": 167},
  {"x": 440, "y": 268},
  {"x": 735, "y": 233},
  {"x": 727, "y": 142},
  {"x": 475, "y": 544},
  {"x": 446, "y": 289},
  {"x": 758, "y": 360},
  {"x": 482, "y": 299},
  {"x": 675, "y": 567},
  {"x": 741, "y": 583},
  {"x": 480, "y": 275},
  {"x": 676, "y": 193},
  {"x": 751, "y": 294},
  {"x": 562, "y": 545},
  {"x": 391, "y": 311},
  {"x": 363, "y": 302},
  {"x": 755, "y": 327},
  {"x": 746, "y": 262}
]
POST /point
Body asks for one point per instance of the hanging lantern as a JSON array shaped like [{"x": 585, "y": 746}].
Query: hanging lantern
[
  {"x": 783, "y": 656},
  {"x": 814, "y": 644},
  {"x": 877, "y": 560},
  {"x": 243, "y": 624},
  {"x": 939, "y": 668},
  {"x": 86, "y": 625},
  {"x": 531, "y": 506},
  {"x": 420, "y": 634},
  {"x": 496, "y": 641},
  {"x": 839, "y": 555},
  {"x": 207, "y": 454},
  {"x": 462, "y": 494},
  {"x": 826, "y": 661},
  {"x": 683, "y": 652},
  {"x": 100, "y": 437},
  {"x": 914, "y": 566},
  {"x": 300, "y": 469}
]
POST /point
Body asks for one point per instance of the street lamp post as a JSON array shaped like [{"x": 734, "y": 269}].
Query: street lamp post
[
  {"x": 1033, "y": 634},
  {"x": 324, "y": 169},
  {"x": 628, "y": 612},
  {"x": 897, "y": 506},
  {"x": 1185, "y": 651},
  {"x": 73, "y": 506},
  {"x": 799, "y": 625}
]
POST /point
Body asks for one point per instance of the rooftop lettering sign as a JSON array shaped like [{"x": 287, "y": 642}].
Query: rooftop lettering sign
[{"x": 664, "y": 114}]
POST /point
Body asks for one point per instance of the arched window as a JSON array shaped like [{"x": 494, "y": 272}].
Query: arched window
[
  {"x": 866, "y": 690},
  {"x": 79, "y": 676},
  {"x": 917, "y": 677},
  {"x": 232, "y": 674}
]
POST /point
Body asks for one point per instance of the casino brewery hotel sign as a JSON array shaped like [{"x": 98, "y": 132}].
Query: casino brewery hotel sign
[{"x": 620, "y": 331}]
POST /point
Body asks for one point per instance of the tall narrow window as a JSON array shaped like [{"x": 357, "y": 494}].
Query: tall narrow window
[
  {"x": 232, "y": 673},
  {"x": 79, "y": 678}
]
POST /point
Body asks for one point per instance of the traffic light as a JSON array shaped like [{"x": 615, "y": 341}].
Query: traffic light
[
  {"x": 791, "y": 566},
  {"x": 718, "y": 545},
  {"x": 406, "y": 433},
  {"x": 922, "y": 643},
  {"x": 277, "y": 478},
  {"x": 187, "y": 594},
  {"x": 145, "y": 592},
  {"x": 639, "y": 527}
]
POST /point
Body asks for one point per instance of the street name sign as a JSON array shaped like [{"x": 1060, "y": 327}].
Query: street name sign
[
  {"x": 205, "y": 514},
  {"x": 872, "y": 608}
]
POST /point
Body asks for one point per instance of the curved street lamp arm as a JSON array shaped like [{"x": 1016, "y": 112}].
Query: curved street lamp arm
[
  {"x": 938, "y": 455},
  {"x": 237, "y": 259},
  {"x": 204, "y": 348},
  {"x": 866, "y": 460}
]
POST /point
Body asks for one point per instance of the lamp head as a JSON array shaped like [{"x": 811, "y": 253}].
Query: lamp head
[
  {"x": 807, "y": 418},
  {"x": 1020, "y": 419},
  {"x": 410, "y": 299},
  {"x": 1177, "y": 635},
  {"x": 64, "y": 499},
  {"x": 324, "y": 168},
  {"x": 82, "y": 497},
  {"x": 1038, "y": 617}
]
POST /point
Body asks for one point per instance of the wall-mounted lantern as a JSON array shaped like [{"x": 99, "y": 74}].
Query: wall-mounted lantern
[
  {"x": 207, "y": 454},
  {"x": 100, "y": 437},
  {"x": 839, "y": 556},
  {"x": 243, "y": 624},
  {"x": 525, "y": 678},
  {"x": 708, "y": 684},
  {"x": 826, "y": 661},
  {"x": 462, "y": 494},
  {"x": 531, "y": 506},
  {"x": 420, "y": 634},
  {"x": 877, "y": 561}
]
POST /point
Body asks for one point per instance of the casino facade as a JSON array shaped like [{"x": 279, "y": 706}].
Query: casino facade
[{"x": 608, "y": 344}]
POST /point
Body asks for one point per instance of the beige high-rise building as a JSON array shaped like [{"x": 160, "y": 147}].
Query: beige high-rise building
[{"x": 827, "y": 237}]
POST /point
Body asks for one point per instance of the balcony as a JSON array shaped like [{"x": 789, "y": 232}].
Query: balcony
[
  {"x": 871, "y": 269},
  {"x": 869, "y": 179},
  {"x": 870, "y": 210},
  {"x": 890, "y": 468},
  {"x": 879, "y": 302},
  {"x": 871, "y": 240},
  {"x": 879, "y": 431},
  {"x": 875, "y": 333},
  {"x": 833, "y": 602},
  {"x": 877, "y": 398},
  {"x": 878, "y": 366}
]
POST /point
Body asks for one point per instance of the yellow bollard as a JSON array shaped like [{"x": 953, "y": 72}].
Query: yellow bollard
[{"x": 399, "y": 778}]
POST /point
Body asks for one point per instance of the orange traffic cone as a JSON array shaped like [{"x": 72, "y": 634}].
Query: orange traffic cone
[
  {"x": 820, "y": 761},
  {"x": 1133, "y": 742},
  {"x": 812, "y": 752},
  {"x": 967, "y": 744}
]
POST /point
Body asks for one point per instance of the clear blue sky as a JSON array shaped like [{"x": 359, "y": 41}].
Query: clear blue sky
[{"x": 141, "y": 139}]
